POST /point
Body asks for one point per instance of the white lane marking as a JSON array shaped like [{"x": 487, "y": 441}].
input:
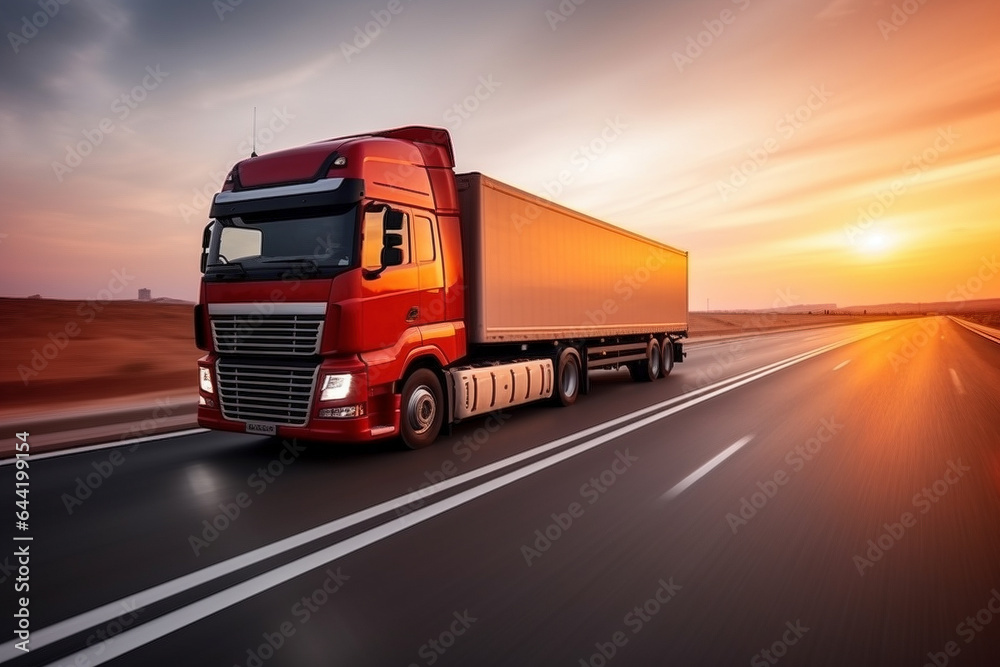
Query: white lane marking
[
  {"x": 112, "y": 610},
  {"x": 957, "y": 382},
  {"x": 681, "y": 486},
  {"x": 841, "y": 365},
  {"x": 184, "y": 616},
  {"x": 108, "y": 445}
]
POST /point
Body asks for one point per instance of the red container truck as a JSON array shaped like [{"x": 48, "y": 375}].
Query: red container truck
[{"x": 358, "y": 288}]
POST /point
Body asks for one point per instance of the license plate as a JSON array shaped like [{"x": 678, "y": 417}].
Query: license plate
[{"x": 261, "y": 429}]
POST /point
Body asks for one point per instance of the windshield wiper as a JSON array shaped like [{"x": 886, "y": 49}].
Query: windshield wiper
[
  {"x": 309, "y": 265},
  {"x": 228, "y": 268}
]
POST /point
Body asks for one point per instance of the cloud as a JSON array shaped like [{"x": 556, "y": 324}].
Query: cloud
[{"x": 837, "y": 9}]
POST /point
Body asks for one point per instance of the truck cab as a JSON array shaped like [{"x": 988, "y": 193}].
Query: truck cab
[{"x": 332, "y": 275}]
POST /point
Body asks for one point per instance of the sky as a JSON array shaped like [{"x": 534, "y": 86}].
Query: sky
[{"x": 802, "y": 151}]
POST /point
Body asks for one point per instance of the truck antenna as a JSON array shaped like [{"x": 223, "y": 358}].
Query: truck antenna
[{"x": 253, "y": 133}]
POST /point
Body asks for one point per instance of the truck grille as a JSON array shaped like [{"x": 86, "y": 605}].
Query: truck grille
[
  {"x": 267, "y": 334},
  {"x": 281, "y": 394}
]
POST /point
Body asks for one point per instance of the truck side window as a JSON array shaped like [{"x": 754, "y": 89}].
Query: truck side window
[
  {"x": 425, "y": 240},
  {"x": 370, "y": 255}
]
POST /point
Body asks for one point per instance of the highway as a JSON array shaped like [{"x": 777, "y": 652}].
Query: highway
[{"x": 820, "y": 497}]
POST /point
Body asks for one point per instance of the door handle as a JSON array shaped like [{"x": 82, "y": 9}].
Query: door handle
[{"x": 412, "y": 315}]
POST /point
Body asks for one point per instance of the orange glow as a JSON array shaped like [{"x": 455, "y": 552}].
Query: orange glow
[{"x": 843, "y": 153}]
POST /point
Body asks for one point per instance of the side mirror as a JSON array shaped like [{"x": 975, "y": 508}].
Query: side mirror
[
  {"x": 393, "y": 220},
  {"x": 392, "y": 252},
  {"x": 383, "y": 242}
]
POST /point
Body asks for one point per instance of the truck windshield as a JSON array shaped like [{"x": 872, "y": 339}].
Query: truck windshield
[{"x": 266, "y": 243}]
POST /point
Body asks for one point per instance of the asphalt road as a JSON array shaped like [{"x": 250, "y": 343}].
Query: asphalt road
[{"x": 825, "y": 497}]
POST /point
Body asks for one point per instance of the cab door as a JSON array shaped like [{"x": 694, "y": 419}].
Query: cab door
[
  {"x": 427, "y": 252},
  {"x": 391, "y": 304}
]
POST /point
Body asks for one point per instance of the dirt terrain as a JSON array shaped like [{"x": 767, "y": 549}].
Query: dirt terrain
[
  {"x": 986, "y": 318},
  {"x": 63, "y": 352},
  {"x": 60, "y": 353},
  {"x": 727, "y": 324}
]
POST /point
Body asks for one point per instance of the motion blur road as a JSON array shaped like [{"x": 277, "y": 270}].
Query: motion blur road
[{"x": 820, "y": 497}]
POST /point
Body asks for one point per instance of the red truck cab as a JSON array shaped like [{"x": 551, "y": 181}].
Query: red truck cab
[{"x": 332, "y": 272}]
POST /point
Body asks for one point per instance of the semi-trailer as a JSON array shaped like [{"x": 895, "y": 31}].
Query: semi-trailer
[{"x": 358, "y": 288}]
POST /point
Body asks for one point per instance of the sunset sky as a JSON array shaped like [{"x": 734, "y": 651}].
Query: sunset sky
[{"x": 803, "y": 151}]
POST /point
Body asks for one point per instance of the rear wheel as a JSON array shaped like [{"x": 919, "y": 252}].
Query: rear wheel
[
  {"x": 569, "y": 377},
  {"x": 667, "y": 347},
  {"x": 648, "y": 370},
  {"x": 421, "y": 409}
]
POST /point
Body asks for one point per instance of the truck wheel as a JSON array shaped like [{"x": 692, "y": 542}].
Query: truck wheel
[
  {"x": 568, "y": 377},
  {"x": 648, "y": 370},
  {"x": 667, "y": 352},
  {"x": 421, "y": 409}
]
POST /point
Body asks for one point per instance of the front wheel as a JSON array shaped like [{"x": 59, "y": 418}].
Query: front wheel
[{"x": 421, "y": 409}]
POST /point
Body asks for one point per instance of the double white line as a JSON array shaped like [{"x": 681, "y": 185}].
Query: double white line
[{"x": 191, "y": 613}]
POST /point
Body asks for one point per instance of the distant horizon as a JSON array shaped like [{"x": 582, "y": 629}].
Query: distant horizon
[{"x": 987, "y": 305}]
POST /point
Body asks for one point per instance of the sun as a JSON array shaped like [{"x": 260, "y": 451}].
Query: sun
[{"x": 877, "y": 243}]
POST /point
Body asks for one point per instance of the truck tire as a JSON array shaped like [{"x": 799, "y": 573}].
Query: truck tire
[
  {"x": 569, "y": 377},
  {"x": 421, "y": 409},
  {"x": 667, "y": 357},
  {"x": 648, "y": 370}
]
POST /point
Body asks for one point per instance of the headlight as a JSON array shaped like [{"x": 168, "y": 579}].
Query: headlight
[
  {"x": 205, "y": 380},
  {"x": 335, "y": 387}
]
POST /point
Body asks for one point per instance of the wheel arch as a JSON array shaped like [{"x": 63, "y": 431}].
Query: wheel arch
[{"x": 429, "y": 357}]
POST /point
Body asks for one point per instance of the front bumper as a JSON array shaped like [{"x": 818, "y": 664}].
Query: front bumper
[
  {"x": 357, "y": 430},
  {"x": 379, "y": 417}
]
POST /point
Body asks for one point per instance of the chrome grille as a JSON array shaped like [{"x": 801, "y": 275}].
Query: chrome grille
[
  {"x": 254, "y": 333},
  {"x": 250, "y": 392}
]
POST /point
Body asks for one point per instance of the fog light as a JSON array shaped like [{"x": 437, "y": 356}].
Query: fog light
[{"x": 343, "y": 413}]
